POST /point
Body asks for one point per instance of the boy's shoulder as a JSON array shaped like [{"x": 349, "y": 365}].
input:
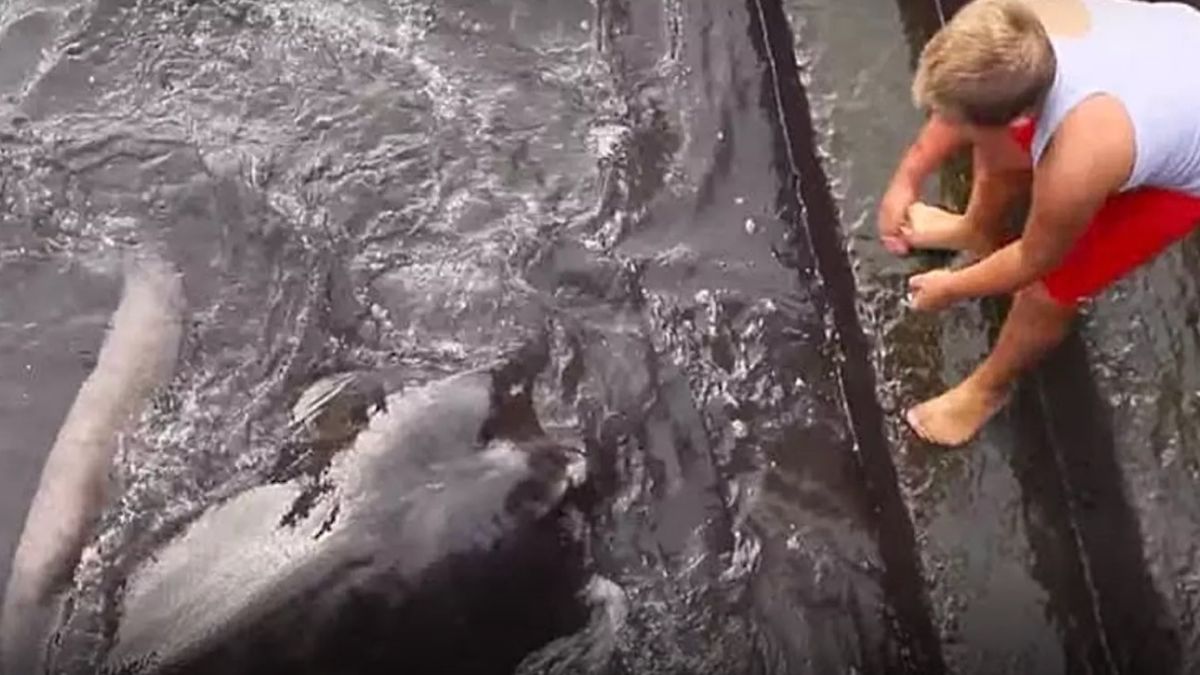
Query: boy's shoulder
[{"x": 1096, "y": 136}]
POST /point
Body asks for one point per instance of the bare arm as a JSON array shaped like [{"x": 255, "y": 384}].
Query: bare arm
[
  {"x": 1077, "y": 174},
  {"x": 935, "y": 142}
]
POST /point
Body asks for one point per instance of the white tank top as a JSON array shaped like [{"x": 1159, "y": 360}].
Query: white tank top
[{"x": 1147, "y": 56}]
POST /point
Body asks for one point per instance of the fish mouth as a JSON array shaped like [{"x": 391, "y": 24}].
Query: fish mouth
[
  {"x": 555, "y": 469},
  {"x": 554, "y": 460},
  {"x": 576, "y": 469}
]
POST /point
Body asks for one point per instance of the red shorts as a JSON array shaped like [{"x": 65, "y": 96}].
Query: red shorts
[{"x": 1130, "y": 229}]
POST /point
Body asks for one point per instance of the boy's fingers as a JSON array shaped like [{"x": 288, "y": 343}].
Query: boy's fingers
[{"x": 896, "y": 245}]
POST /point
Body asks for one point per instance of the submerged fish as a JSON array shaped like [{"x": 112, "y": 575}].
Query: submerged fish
[
  {"x": 425, "y": 505},
  {"x": 423, "y": 545}
]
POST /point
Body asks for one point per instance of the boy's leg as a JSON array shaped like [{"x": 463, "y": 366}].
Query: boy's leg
[
  {"x": 1036, "y": 324},
  {"x": 1128, "y": 231},
  {"x": 1001, "y": 173},
  {"x": 981, "y": 229}
]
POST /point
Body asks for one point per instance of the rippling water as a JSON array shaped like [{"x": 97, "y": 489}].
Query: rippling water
[{"x": 418, "y": 189}]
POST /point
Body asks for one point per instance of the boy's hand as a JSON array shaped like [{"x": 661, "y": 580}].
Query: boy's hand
[
  {"x": 893, "y": 214},
  {"x": 931, "y": 291}
]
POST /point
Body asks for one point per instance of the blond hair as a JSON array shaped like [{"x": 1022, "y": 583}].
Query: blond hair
[{"x": 992, "y": 62}]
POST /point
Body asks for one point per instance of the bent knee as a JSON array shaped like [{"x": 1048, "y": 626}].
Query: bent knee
[
  {"x": 1036, "y": 293},
  {"x": 1038, "y": 296}
]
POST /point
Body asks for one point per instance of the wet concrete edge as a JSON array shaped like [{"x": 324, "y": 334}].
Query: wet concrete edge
[
  {"x": 1139, "y": 633},
  {"x": 1070, "y": 472},
  {"x": 811, "y": 206}
]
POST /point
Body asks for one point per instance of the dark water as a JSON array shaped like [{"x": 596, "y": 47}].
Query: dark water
[
  {"x": 417, "y": 189},
  {"x": 422, "y": 189}
]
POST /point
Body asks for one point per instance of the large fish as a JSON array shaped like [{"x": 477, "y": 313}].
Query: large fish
[
  {"x": 435, "y": 508},
  {"x": 429, "y": 529},
  {"x": 137, "y": 357}
]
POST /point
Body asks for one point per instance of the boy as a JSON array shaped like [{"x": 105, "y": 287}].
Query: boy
[{"x": 1089, "y": 105}]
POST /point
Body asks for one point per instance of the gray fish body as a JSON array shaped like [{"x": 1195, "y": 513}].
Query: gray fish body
[
  {"x": 422, "y": 485},
  {"x": 429, "y": 507}
]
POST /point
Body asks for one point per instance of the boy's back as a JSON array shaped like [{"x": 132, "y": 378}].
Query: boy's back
[{"x": 1141, "y": 54}]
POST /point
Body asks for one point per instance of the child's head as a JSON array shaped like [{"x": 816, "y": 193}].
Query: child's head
[{"x": 987, "y": 66}]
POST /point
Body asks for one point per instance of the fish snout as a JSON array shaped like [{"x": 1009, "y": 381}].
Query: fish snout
[{"x": 553, "y": 468}]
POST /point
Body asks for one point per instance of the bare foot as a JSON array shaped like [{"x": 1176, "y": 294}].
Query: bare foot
[
  {"x": 929, "y": 227},
  {"x": 954, "y": 418}
]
